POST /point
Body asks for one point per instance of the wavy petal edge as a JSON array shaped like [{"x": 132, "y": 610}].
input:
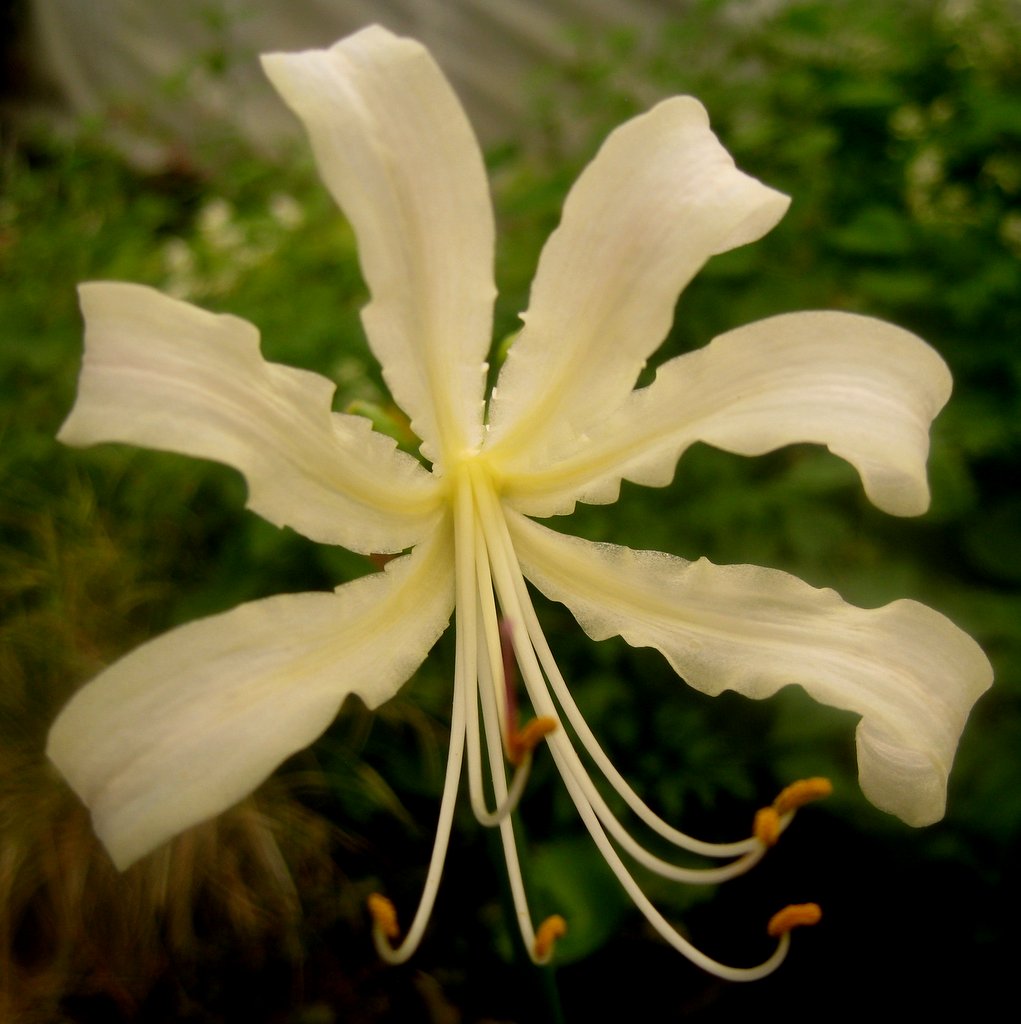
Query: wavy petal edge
[{"x": 909, "y": 672}]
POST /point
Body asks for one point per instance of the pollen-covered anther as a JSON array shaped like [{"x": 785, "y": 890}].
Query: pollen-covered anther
[
  {"x": 384, "y": 916},
  {"x": 546, "y": 935},
  {"x": 799, "y": 793},
  {"x": 797, "y": 915},
  {"x": 523, "y": 741},
  {"x": 766, "y": 827}
]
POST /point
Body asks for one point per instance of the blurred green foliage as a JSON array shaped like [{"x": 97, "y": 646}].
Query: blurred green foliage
[{"x": 896, "y": 128}]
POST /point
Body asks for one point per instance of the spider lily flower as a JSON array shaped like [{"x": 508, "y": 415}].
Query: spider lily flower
[{"x": 192, "y": 721}]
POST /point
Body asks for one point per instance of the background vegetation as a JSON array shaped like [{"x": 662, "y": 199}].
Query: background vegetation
[{"x": 896, "y": 127}]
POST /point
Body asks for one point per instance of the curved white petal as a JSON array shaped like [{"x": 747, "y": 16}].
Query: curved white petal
[
  {"x": 660, "y": 198},
  {"x": 909, "y": 672},
  {"x": 395, "y": 149},
  {"x": 191, "y": 722},
  {"x": 867, "y": 390},
  {"x": 164, "y": 374}
]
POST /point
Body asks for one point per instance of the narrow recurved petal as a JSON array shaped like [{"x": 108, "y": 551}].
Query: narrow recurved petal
[
  {"x": 164, "y": 374},
  {"x": 660, "y": 198},
  {"x": 867, "y": 390},
  {"x": 188, "y": 724},
  {"x": 396, "y": 151},
  {"x": 909, "y": 672}
]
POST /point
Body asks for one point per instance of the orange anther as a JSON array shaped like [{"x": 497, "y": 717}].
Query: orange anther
[
  {"x": 546, "y": 935},
  {"x": 766, "y": 827},
  {"x": 799, "y": 793},
  {"x": 797, "y": 915},
  {"x": 384, "y": 915},
  {"x": 523, "y": 741}
]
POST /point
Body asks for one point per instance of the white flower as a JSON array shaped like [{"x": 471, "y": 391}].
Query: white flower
[{"x": 186, "y": 725}]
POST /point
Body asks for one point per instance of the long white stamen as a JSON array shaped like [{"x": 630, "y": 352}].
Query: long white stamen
[
  {"x": 487, "y": 569},
  {"x": 467, "y": 640},
  {"x": 506, "y": 576},
  {"x": 510, "y": 847},
  {"x": 569, "y": 761},
  {"x": 599, "y": 757},
  {"x": 473, "y": 572},
  {"x": 490, "y": 668},
  {"x": 592, "y": 747},
  {"x": 507, "y": 803},
  {"x": 464, "y": 668},
  {"x": 751, "y": 851},
  {"x": 666, "y": 930},
  {"x": 748, "y": 852},
  {"x": 492, "y": 644},
  {"x": 402, "y": 952}
]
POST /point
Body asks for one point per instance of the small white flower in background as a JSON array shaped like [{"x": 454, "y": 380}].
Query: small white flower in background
[
  {"x": 224, "y": 246},
  {"x": 218, "y": 226},
  {"x": 189, "y": 723},
  {"x": 181, "y": 278},
  {"x": 286, "y": 211}
]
